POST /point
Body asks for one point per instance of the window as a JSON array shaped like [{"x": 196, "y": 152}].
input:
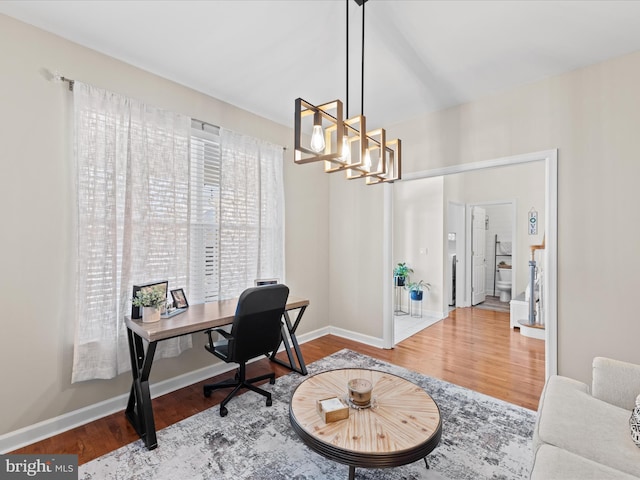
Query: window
[
  {"x": 158, "y": 200},
  {"x": 237, "y": 212}
]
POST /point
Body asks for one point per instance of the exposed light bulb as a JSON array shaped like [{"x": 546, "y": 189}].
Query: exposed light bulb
[
  {"x": 346, "y": 150},
  {"x": 317, "y": 136},
  {"x": 317, "y": 139},
  {"x": 367, "y": 160}
]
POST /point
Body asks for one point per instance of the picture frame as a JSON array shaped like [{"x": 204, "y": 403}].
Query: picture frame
[
  {"x": 162, "y": 285},
  {"x": 179, "y": 298}
]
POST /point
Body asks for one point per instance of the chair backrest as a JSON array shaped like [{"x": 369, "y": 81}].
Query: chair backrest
[{"x": 257, "y": 324}]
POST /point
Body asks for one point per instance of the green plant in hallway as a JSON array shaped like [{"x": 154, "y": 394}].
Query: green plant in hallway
[
  {"x": 401, "y": 273},
  {"x": 416, "y": 289}
]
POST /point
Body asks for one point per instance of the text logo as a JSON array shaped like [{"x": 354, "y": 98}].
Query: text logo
[{"x": 39, "y": 467}]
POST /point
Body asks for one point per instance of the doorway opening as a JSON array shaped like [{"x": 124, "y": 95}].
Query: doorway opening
[{"x": 442, "y": 295}]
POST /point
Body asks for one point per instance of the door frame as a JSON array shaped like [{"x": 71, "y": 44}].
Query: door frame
[
  {"x": 513, "y": 205},
  {"x": 550, "y": 159},
  {"x": 458, "y": 224}
]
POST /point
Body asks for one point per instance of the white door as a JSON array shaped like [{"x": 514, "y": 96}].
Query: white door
[{"x": 478, "y": 260}]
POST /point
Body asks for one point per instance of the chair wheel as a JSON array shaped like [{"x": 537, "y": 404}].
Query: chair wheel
[
  {"x": 272, "y": 381},
  {"x": 223, "y": 411},
  {"x": 269, "y": 402},
  {"x": 207, "y": 392}
]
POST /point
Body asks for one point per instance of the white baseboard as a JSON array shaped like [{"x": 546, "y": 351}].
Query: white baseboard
[
  {"x": 357, "y": 337},
  {"x": 53, "y": 426},
  {"x": 47, "y": 428}
]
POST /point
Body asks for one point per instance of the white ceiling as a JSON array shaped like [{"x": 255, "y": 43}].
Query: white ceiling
[{"x": 420, "y": 55}]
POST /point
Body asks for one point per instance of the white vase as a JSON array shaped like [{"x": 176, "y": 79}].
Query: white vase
[{"x": 150, "y": 314}]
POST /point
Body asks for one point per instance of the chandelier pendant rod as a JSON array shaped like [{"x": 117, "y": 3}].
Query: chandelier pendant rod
[
  {"x": 362, "y": 65},
  {"x": 347, "y": 64}
]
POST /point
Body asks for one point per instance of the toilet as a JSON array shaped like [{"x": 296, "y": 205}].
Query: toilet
[{"x": 503, "y": 283}]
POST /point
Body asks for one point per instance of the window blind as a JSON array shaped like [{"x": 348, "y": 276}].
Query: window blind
[
  {"x": 204, "y": 216},
  {"x": 237, "y": 213}
]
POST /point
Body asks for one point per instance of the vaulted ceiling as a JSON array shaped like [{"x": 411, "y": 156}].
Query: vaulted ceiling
[{"x": 420, "y": 56}]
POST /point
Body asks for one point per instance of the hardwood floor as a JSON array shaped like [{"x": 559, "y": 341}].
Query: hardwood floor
[{"x": 473, "y": 348}]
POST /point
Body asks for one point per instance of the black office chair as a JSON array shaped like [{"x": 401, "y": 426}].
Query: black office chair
[{"x": 256, "y": 330}]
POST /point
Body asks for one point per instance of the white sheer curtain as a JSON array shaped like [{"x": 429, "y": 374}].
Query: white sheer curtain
[
  {"x": 132, "y": 164},
  {"x": 251, "y": 239}
]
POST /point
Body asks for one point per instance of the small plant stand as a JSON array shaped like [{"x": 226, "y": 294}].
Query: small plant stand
[
  {"x": 415, "y": 307},
  {"x": 415, "y": 303},
  {"x": 397, "y": 303}
]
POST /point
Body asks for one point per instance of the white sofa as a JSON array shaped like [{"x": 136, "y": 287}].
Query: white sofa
[{"x": 583, "y": 433}]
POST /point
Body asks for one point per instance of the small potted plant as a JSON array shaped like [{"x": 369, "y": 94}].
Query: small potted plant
[
  {"x": 416, "y": 289},
  {"x": 151, "y": 300},
  {"x": 400, "y": 274}
]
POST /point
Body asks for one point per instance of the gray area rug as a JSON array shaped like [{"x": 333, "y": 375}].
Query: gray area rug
[{"x": 482, "y": 438}]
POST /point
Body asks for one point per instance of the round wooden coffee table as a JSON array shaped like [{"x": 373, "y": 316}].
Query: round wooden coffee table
[{"x": 402, "y": 425}]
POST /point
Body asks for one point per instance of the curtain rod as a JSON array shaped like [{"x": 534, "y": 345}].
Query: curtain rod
[
  {"x": 60, "y": 78},
  {"x": 201, "y": 124},
  {"x": 70, "y": 81}
]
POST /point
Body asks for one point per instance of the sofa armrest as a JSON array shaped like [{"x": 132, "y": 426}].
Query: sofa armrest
[{"x": 616, "y": 382}]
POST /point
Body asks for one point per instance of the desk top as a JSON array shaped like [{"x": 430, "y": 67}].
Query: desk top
[
  {"x": 402, "y": 426},
  {"x": 196, "y": 319}
]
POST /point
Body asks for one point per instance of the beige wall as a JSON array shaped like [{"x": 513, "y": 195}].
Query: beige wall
[
  {"x": 356, "y": 230},
  {"x": 37, "y": 268},
  {"x": 592, "y": 116},
  {"x": 418, "y": 231}
]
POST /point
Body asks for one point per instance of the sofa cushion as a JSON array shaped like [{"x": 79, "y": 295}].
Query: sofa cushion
[
  {"x": 616, "y": 382},
  {"x": 553, "y": 463},
  {"x": 564, "y": 384},
  {"x": 571, "y": 419}
]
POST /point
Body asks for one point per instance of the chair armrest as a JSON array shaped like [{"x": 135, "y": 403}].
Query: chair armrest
[
  {"x": 211, "y": 346},
  {"x": 222, "y": 332},
  {"x": 616, "y": 382}
]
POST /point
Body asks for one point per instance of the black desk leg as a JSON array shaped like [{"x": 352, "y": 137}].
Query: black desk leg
[
  {"x": 139, "y": 409},
  {"x": 291, "y": 329}
]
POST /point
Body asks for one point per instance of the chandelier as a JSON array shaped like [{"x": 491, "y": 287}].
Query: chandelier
[{"x": 345, "y": 145}]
